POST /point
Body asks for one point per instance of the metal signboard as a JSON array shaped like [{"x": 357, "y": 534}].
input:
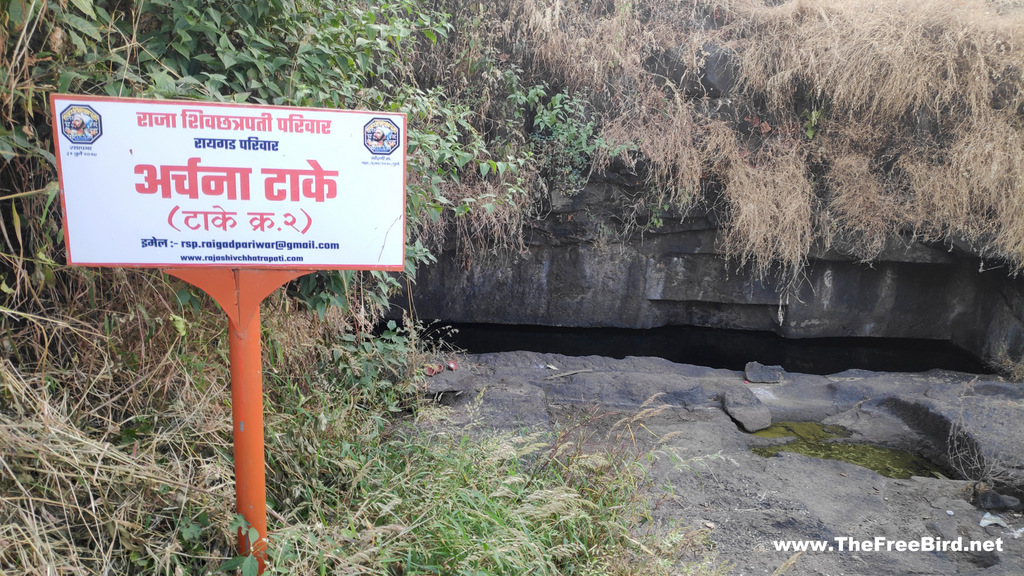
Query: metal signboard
[
  {"x": 236, "y": 200},
  {"x": 158, "y": 183}
]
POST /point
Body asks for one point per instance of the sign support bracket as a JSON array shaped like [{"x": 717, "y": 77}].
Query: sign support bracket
[{"x": 239, "y": 292}]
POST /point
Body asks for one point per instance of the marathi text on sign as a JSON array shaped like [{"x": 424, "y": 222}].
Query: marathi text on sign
[{"x": 135, "y": 173}]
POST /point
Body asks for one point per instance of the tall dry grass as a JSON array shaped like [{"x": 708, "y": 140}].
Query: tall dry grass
[
  {"x": 78, "y": 498},
  {"x": 768, "y": 218},
  {"x": 115, "y": 421},
  {"x": 113, "y": 424},
  {"x": 901, "y": 117}
]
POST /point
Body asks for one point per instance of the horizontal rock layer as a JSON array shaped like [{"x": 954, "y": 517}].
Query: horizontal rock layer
[{"x": 578, "y": 272}]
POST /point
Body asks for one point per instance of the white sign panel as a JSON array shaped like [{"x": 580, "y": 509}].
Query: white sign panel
[{"x": 160, "y": 183}]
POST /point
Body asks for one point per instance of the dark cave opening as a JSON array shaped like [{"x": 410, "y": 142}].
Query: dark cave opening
[{"x": 716, "y": 348}]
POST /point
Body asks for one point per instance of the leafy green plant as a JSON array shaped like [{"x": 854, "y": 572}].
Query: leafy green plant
[
  {"x": 811, "y": 119},
  {"x": 563, "y": 138},
  {"x": 247, "y": 564}
]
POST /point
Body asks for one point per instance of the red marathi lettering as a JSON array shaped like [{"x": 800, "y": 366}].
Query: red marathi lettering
[
  {"x": 284, "y": 184},
  {"x": 192, "y": 179},
  {"x": 197, "y": 119}
]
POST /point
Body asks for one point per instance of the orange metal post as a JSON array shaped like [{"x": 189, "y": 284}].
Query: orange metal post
[
  {"x": 239, "y": 292},
  {"x": 247, "y": 430}
]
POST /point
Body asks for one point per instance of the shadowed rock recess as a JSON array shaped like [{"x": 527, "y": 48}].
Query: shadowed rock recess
[
  {"x": 578, "y": 273},
  {"x": 822, "y": 168}
]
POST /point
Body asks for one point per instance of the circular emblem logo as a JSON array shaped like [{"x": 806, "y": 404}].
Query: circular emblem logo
[
  {"x": 381, "y": 136},
  {"x": 81, "y": 124}
]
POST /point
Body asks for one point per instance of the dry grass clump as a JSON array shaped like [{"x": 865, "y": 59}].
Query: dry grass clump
[
  {"x": 882, "y": 59},
  {"x": 905, "y": 115},
  {"x": 769, "y": 219},
  {"x": 113, "y": 425},
  {"x": 859, "y": 206},
  {"x": 79, "y": 500},
  {"x": 683, "y": 146},
  {"x": 486, "y": 215},
  {"x": 978, "y": 192},
  {"x": 589, "y": 41}
]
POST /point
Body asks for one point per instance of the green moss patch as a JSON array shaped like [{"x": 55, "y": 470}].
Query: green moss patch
[{"x": 817, "y": 441}]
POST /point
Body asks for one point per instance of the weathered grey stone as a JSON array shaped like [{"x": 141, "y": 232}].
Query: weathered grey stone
[
  {"x": 714, "y": 78},
  {"x": 704, "y": 278},
  {"x": 996, "y": 502},
  {"x": 748, "y": 501},
  {"x": 743, "y": 406},
  {"x": 758, "y": 373},
  {"x": 672, "y": 66},
  {"x": 579, "y": 272},
  {"x": 944, "y": 528}
]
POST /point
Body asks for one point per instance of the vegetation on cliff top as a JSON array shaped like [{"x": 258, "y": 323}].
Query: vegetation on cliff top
[{"x": 847, "y": 121}]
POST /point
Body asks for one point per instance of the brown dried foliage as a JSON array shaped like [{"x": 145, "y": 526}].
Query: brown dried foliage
[
  {"x": 115, "y": 425},
  {"x": 768, "y": 218},
  {"x": 859, "y": 209},
  {"x": 919, "y": 113},
  {"x": 107, "y": 440}
]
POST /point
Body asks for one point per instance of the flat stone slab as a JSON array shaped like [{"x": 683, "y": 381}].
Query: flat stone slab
[
  {"x": 698, "y": 425},
  {"x": 743, "y": 406},
  {"x": 761, "y": 374}
]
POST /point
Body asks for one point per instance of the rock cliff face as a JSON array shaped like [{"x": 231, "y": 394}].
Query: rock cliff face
[
  {"x": 580, "y": 271},
  {"x": 584, "y": 269}
]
